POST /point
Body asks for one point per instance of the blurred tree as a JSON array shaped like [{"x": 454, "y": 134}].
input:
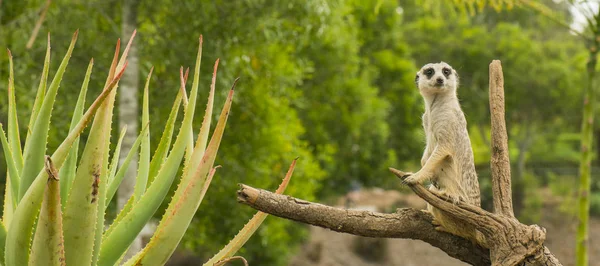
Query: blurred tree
[{"x": 369, "y": 115}]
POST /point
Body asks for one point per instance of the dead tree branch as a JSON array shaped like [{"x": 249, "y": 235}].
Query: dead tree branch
[
  {"x": 500, "y": 162},
  {"x": 405, "y": 223}
]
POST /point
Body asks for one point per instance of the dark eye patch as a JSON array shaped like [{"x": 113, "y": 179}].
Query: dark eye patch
[
  {"x": 429, "y": 72},
  {"x": 446, "y": 72}
]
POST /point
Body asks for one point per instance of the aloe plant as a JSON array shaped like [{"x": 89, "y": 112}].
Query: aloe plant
[{"x": 54, "y": 206}]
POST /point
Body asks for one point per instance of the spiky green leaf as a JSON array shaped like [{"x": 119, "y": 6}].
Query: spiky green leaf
[
  {"x": 114, "y": 163},
  {"x": 41, "y": 92},
  {"x": 18, "y": 239},
  {"x": 180, "y": 212},
  {"x": 67, "y": 172},
  {"x": 160, "y": 154},
  {"x": 14, "y": 139},
  {"x": 114, "y": 183},
  {"x": 144, "y": 160},
  {"x": 47, "y": 247},
  {"x": 11, "y": 165},
  {"x": 34, "y": 153},
  {"x": 116, "y": 242}
]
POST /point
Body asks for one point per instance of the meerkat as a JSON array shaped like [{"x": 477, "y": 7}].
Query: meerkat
[{"x": 448, "y": 157}]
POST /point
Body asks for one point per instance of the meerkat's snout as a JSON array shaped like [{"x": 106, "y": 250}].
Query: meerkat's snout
[{"x": 439, "y": 81}]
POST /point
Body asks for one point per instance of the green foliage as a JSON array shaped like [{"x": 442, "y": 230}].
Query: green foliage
[{"x": 532, "y": 207}]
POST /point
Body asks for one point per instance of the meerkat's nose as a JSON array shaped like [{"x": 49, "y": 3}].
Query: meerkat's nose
[{"x": 439, "y": 81}]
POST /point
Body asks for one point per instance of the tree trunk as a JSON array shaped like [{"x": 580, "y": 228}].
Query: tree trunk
[
  {"x": 128, "y": 112},
  {"x": 587, "y": 133}
]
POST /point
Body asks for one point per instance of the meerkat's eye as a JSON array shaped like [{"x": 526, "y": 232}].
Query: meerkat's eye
[
  {"x": 446, "y": 72},
  {"x": 429, "y": 72}
]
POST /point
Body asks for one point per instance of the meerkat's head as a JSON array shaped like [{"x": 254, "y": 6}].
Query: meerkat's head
[{"x": 437, "y": 78}]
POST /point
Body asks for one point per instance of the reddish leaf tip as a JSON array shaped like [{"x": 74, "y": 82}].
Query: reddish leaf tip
[
  {"x": 9, "y": 53},
  {"x": 215, "y": 68}
]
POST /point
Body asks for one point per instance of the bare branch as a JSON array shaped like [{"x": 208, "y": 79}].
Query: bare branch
[
  {"x": 405, "y": 223},
  {"x": 500, "y": 162}
]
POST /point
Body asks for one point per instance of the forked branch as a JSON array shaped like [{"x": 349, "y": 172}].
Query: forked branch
[{"x": 405, "y": 223}]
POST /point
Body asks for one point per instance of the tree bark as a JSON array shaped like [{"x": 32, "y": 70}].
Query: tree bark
[
  {"x": 500, "y": 161},
  {"x": 405, "y": 223},
  {"x": 128, "y": 112}
]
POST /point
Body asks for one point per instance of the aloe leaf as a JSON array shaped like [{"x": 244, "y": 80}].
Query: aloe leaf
[
  {"x": 126, "y": 208},
  {"x": 160, "y": 154},
  {"x": 205, "y": 129},
  {"x": 181, "y": 210},
  {"x": 151, "y": 252},
  {"x": 11, "y": 165},
  {"x": 84, "y": 209},
  {"x": 14, "y": 140},
  {"x": 202, "y": 137},
  {"x": 115, "y": 157},
  {"x": 190, "y": 145},
  {"x": 41, "y": 92},
  {"x": 120, "y": 237},
  {"x": 47, "y": 247},
  {"x": 67, "y": 172},
  {"x": 18, "y": 238},
  {"x": 34, "y": 153},
  {"x": 114, "y": 183},
  {"x": 242, "y": 237},
  {"x": 2, "y": 242},
  {"x": 103, "y": 184},
  {"x": 81, "y": 210},
  {"x": 144, "y": 160},
  {"x": 8, "y": 205}
]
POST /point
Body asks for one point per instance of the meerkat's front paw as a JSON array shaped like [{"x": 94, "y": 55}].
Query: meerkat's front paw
[
  {"x": 409, "y": 179},
  {"x": 416, "y": 178}
]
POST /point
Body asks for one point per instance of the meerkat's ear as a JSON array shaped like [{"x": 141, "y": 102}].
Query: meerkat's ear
[{"x": 417, "y": 79}]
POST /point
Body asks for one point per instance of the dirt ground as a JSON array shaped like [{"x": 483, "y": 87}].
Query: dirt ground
[{"x": 328, "y": 248}]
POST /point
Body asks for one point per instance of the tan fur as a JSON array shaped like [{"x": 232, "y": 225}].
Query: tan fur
[{"x": 448, "y": 157}]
